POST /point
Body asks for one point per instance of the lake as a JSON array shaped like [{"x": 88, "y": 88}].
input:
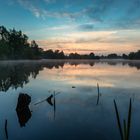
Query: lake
[{"x": 70, "y": 100}]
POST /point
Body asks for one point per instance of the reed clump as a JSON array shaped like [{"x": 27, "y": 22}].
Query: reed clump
[{"x": 125, "y": 130}]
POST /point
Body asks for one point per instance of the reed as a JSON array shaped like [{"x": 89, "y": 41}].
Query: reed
[
  {"x": 125, "y": 132},
  {"x": 118, "y": 120},
  {"x": 54, "y": 104},
  {"x": 98, "y": 92},
  {"x": 53, "y": 95},
  {"x": 6, "y": 131}
]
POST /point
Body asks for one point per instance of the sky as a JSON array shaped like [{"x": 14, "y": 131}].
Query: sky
[{"x": 82, "y": 26}]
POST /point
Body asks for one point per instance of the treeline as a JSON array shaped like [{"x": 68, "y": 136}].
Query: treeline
[
  {"x": 131, "y": 56},
  {"x": 15, "y": 45},
  {"x": 50, "y": 54}
]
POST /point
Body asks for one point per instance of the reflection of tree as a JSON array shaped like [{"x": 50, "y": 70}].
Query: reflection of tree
[
  {"x": 76, "y": 63},
  {"x": 137, "y": 65},
  {"x": 16, "y": 74},
  {"x": 112, "y": 63},
  {"x": 129, "y": 63}
]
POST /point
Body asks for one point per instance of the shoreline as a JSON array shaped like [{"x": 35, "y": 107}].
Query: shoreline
[{"x": 69, "y": 60}]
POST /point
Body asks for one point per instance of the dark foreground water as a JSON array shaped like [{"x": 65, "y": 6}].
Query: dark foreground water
[{"x": 77, "y": 111}]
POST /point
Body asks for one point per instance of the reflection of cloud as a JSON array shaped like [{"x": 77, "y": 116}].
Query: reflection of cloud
[{"x": 87, "y": 76}]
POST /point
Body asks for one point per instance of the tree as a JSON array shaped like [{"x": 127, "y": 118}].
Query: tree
[
  {"x": 124, "y": 56},
  {"x": 91, "y": 56},
  {"x": 4, "y": 34},
  {"x": 112, "y": 56}
]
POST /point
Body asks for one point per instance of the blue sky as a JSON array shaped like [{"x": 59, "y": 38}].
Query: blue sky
[{"x": 102, "y": 26}]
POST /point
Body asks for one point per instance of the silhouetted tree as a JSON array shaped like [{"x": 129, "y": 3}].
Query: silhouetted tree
[
  {"x": 48, "y": 54},
  {"x": 91, "y": 56},
  {"x": 74, "y": 56},
  {"x": 113, "y": 56},
  {"x": 14, "y": 45},
  {"x": 124, "y": 56},
  {"x": 134, "y": 55}
]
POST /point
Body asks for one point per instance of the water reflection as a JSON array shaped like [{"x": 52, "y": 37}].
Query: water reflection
[
  {"x": 17, "y": 74},
  {"x": 85, "y": 109},
  {"x": 22, "y": 109},
  {"x": 51, "y": 100}
]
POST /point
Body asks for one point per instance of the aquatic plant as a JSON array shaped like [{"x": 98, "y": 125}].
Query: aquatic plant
[
  {"x": 125, "y": 131},
  {"x": 98, "y": 92},
  {"x": 6, "y": 130},
  {"x": 49, "y": 99}
]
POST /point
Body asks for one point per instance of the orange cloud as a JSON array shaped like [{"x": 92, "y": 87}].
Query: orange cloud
[{"x": 100, "y": 42}]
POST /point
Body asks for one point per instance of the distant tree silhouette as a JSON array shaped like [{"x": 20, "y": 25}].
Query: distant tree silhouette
[
  {"x": 113, "y": 56},
  {"x": 134, "y": 55},
  {"x": 91, "y": 55},
  {"x": 50, "y": 54},
  {"x": 74, "y": 56},
  {"x": 84, "y": 56},
  {"x": 124, "y": 56}
]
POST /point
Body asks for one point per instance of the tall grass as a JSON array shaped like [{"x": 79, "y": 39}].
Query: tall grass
[
  {"x": 54, "y": 105},
  {"x": 98, "y": 92},
  {"x": 6, "y": 131},
  {"x": 125, "y": 131}
]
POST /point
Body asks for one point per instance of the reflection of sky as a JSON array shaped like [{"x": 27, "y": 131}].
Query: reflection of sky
[
  {"x": 77, "y": 116},
  {"x": 85, "y": 75},
  {"x": 101, "y": 26}
]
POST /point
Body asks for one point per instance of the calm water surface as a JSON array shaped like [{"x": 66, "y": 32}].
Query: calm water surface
[{"x": 74, "y": 113}]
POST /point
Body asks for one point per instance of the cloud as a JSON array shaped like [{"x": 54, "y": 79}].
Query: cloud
[
  {"x": 78, "y": 27},
  {"x": 43, "y": 12},
  {"x": 78, "y": 38},
  {"x": 100, "y": 42},
  {"x": 113, "y": 37},
  {"x": 94, "y": 11},
  {"x": 61, "y": 14},
  {"x": 85, "y": 27},
  {"x": 98, "y": 9},
  {"x": 31, "y": 7},
  {"x": 49, "y": 1},
  {"x": 100, "y": 15},
  {"x": 110, "y": 13}
]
